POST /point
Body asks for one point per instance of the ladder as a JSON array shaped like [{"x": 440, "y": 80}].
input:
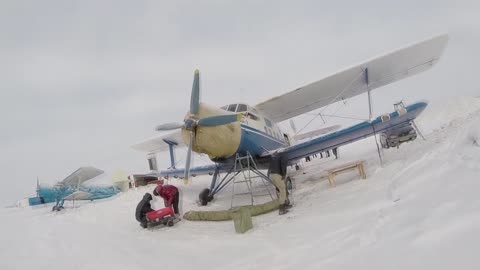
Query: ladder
[{"x": 248, "y": 168}]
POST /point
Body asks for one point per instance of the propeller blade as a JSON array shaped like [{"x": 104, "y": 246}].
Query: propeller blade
[
  {"x": 169, "y": 126},
  {"x": 195, "y": 97},
  {"x": 186, "y": 179},
  {"x": 219, "y": 120}
]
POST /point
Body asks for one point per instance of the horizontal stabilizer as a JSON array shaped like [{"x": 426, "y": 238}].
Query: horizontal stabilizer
[{"x": 159, "y": 143}]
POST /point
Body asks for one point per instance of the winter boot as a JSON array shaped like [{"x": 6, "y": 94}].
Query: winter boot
[{"x": 282, "y": 209}]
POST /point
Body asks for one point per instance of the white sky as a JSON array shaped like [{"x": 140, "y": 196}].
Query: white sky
[{"x": 81, "y": 81}]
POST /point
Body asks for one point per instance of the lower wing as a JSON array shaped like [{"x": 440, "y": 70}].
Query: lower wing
[{"x": 351, "y": 134}]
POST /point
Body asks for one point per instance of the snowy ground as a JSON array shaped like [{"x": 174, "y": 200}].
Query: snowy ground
[{"x": 421, "y": 210}]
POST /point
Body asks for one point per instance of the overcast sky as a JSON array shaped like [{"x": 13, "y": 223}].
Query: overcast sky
[{"x": 81, "y": 81}]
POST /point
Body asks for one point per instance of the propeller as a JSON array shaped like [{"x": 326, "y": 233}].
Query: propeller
[
  {"x": 38, "y": 187},
  {"x": 189, "y": 123},
  {"x": 212, "y": 121},
  {"x": 219, "y": 120},
  {"x": 192, "y": 121},
  {"x": 169, "y": 126}
]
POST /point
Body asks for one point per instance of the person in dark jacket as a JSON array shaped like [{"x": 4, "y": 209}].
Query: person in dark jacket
[
  {"x": 169, "y": 194},
  {"x": 143, "y": 208}
]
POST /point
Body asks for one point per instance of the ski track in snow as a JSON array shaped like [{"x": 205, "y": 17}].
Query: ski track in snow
[{"x": 421, "y": 210}]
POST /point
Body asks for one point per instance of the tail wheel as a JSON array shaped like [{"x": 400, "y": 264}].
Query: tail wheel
[{"x": 170, "y": 223}]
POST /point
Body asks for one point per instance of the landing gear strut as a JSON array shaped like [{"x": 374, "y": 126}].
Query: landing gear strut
[
  {"x": 242, "y": 163},
  {"x": 205, "y": 197}
]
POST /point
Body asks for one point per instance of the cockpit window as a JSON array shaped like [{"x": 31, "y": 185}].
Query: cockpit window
[
  {"x": 224, "y": 107},
  {"x": 242, "y": 108},
  {"x": 232, "y": 107}
]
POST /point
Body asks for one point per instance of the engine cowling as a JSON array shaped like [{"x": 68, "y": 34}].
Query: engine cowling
[{"x": 217, "y": 142}]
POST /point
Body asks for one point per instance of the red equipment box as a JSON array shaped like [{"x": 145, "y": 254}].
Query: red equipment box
[{"x": 160, "y": 214}]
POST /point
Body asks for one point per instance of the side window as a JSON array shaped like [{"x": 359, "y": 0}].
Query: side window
[
  {"x": 232, "y": 107},
  {"x": 224, "y": 107},
  {"x": 242, "y": 108}
]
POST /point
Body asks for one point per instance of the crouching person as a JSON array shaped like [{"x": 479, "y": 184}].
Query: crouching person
[
  {"x": 170, "y": 196},
  {"x": 143, "y": 208}
]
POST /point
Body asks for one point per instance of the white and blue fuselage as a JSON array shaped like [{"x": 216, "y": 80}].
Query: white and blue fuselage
[{"x": 262, "y": 138}]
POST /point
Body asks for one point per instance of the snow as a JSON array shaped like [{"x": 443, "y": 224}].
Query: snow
[{"x": 421, "y": 210}]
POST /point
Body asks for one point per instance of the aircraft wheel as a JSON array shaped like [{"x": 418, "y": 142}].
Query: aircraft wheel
[
  {"x": 170, "y": 223},
  {"x": 204, "y": 198}
]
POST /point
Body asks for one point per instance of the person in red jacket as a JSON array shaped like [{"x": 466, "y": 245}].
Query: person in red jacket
[{"x": 169, "y": 194}]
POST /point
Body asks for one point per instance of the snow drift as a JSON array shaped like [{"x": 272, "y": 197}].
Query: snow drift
[{"x": 421, "y": 210}]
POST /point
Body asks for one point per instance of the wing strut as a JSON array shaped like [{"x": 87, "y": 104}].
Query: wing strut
[
  {"x": 335, "y": 99},
  {"x": 367, "y": 82},
  {"x": 171, "y": 148}
]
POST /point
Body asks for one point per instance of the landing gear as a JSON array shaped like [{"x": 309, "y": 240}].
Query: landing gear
[
  {"x": 242, "y": 164},
  {"x": 58, "y": 206},
  {"x": 205, "y": 197},
  {"x": 289, "y": 186}
]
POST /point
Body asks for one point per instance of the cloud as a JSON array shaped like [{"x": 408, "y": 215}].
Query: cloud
[{"x": 82, "y": 81}]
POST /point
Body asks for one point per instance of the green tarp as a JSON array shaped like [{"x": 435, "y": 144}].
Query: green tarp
[{"x": 223, "y": 215}]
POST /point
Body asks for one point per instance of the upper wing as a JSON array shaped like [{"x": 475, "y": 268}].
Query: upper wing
[
  {"x": 81, "y": 175},
  {"x": 377, "y": 72},
  {"x": 159, "y": 143}
]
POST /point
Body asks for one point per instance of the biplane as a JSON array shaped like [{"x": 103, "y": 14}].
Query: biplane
[
  {"x": 72, "y": 188},
  {"x": 237, "y": 133}
]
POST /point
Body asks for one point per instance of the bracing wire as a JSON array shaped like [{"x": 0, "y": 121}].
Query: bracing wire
[{"x": 335, "y": 99}]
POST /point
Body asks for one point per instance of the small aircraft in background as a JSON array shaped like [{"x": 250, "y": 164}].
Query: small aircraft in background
[
  {"x": 72, "y": 189},
  {"x": 239, "y": 137}
]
